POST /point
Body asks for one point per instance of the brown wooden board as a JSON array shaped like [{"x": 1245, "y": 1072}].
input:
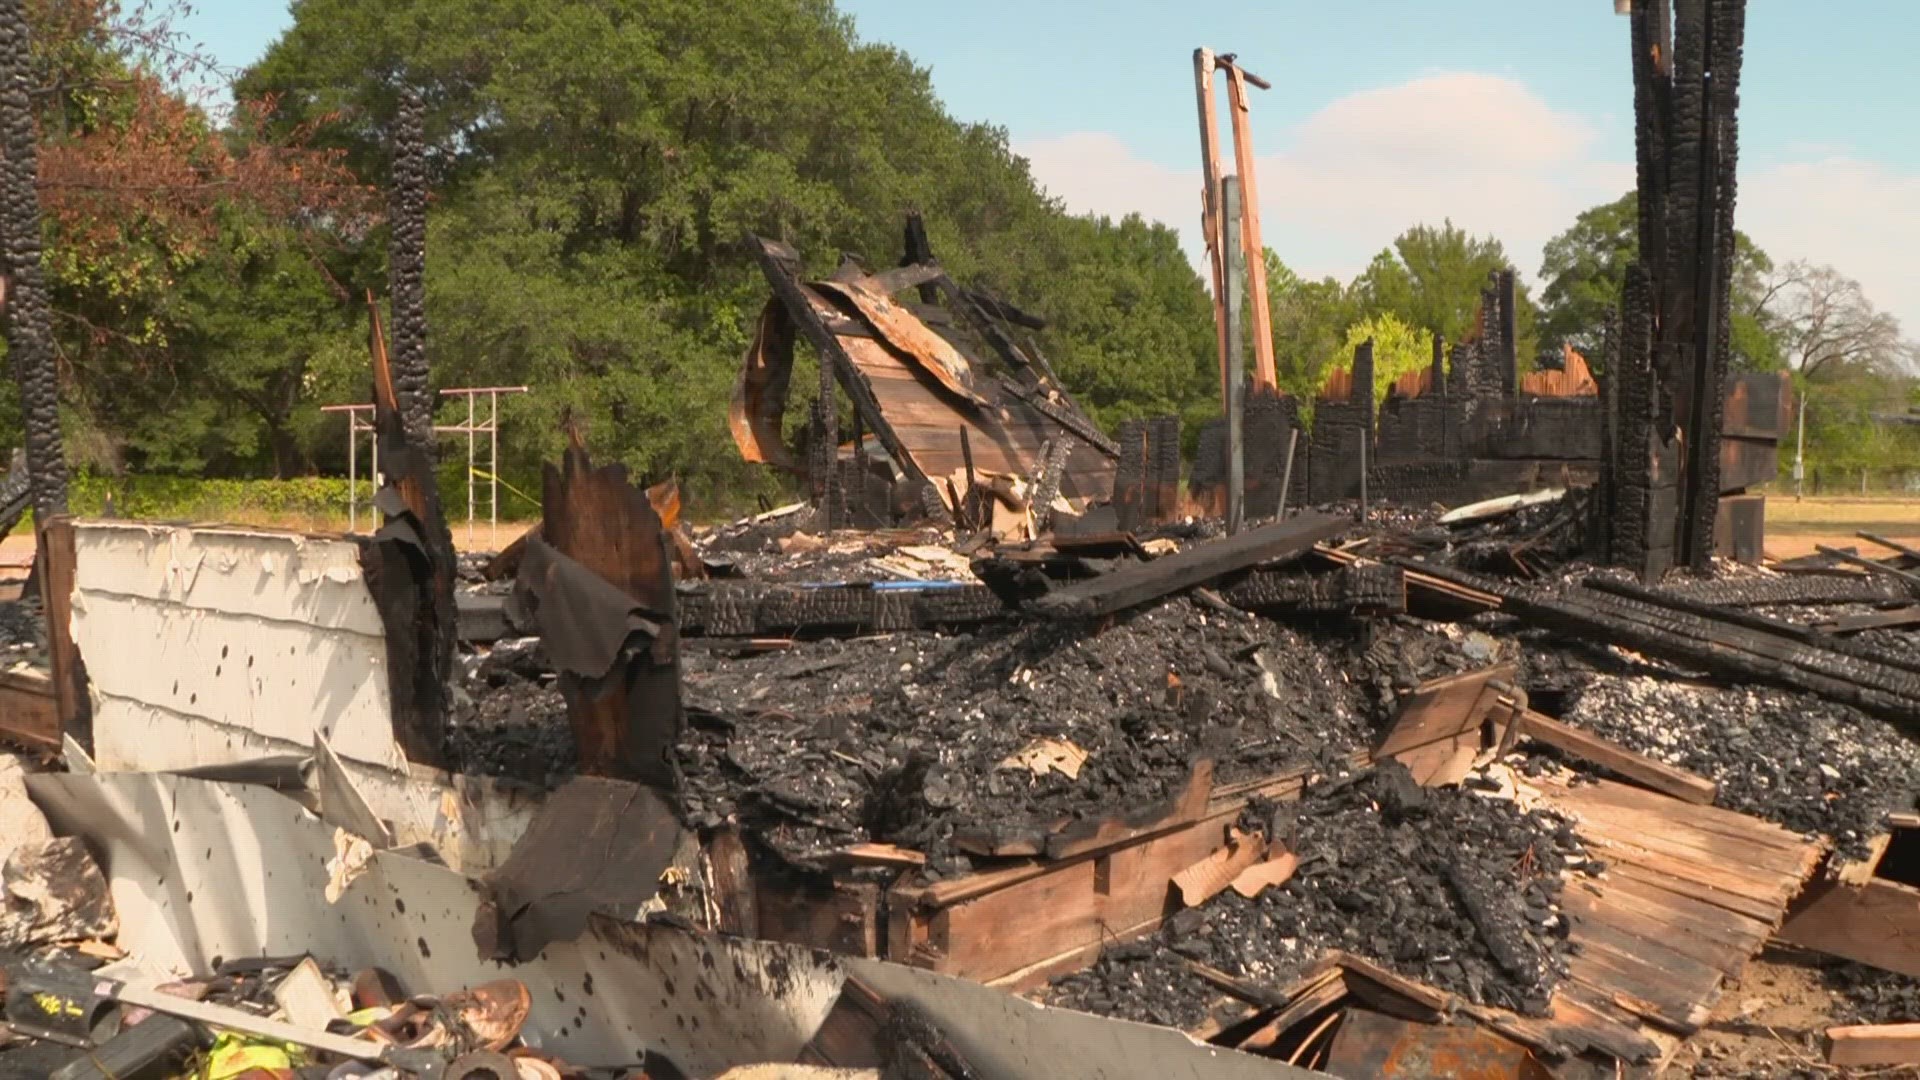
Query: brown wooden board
[
  {"x": 29, "y": 711},
  {"x": 1877, "y": 924},
  {"x": 56, "y": 555},
  {"x": 1641, "y": 769},
  {"x": 1874, "y": 1044},
  {"x": 1438, "y": 732}
]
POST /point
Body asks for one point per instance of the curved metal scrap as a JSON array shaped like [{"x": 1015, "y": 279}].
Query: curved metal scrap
[{"x": 760, "y": 393}]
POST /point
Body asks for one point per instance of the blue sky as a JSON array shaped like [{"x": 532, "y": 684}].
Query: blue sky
[{"x": 1508, "y": 116}]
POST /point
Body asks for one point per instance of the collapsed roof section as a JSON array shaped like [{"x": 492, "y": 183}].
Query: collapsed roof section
[{"x": 947, "y": 418}]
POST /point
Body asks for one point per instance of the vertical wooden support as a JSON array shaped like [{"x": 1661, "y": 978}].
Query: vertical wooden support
[
  {"x": 1259, "y": 319},
  {"x": 57, "y": 557},
  {"x": 1212, "y": 214},
  {"x": 627, "y": 723},
  {"x": 1236, "y": 388}
]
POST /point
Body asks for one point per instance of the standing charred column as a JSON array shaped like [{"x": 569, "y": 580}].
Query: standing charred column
[
  {"x": 1664, "y": 478},
  {"x": 410, "y": 564},
  {"x": 29, "y": 326},
  {"x": 407, "y": 269}
]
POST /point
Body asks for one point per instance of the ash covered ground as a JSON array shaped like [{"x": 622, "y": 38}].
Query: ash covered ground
[
  {"x": 23, "y": 633},
  {"x": 1811, "y": 765},
  {"x": 1449, "y": 886},
  {"x": 902, "y": 738}
]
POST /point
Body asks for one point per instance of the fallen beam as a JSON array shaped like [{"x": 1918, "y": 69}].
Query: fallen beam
[
  {"x": 1874, "y": 1044},
  {"x": 1639, "y": 768},
  {"x": 1908, "y": 553},
  {"x": 1716, "y": 647},
  {"x": 1872, "y": 566},
  {"x": 1143, "y": 582}
]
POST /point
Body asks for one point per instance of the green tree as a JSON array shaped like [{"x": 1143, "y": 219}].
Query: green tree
[
  {"x": 1310, "y": 320},
  {"x": 1585, "y": 267},
  {"x": 1432, "y": 278},
  {"x": 597, "y": 165},
  {"x": 1397, "y": 349}
]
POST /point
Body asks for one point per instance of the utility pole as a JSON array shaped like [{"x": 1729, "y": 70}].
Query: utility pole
[{"x": 1800, "y": 448}]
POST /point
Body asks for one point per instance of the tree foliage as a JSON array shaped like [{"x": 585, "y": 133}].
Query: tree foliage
[
  {"x": 1432, "y": 278},
  {"x": 1398, "y": 349},
  {"x": 1585, "y": 267}
]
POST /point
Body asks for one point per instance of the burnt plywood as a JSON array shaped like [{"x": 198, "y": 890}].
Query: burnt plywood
[{"x": 1005, "y": 435}]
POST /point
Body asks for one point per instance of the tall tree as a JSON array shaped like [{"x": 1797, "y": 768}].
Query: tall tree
[
  {"x": 1431, "y": 278},
  {"x": 1398, "y": 349},
  {"x": 1829, "y": 329},
  {"x": 1310, "y": 320}
]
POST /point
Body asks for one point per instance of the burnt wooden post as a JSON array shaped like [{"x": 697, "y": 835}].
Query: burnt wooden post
[
  {"x": 410, "y": 567},
  {"x": 1672, "y": 360}
]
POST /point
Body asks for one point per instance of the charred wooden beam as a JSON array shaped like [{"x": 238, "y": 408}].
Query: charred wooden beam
[
  {"x": 1710, "y": 645},
  {"x": 1198, "y": 565},
  {"x": 1370, "y": 589},
  {"x": 778, "y": 262},
  {"x": 410, "y": 568}
]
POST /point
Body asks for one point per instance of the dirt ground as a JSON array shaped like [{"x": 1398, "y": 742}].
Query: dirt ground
[
  {"x": 1770, "y": 1023},
  {"x": 1795, "y": 528}
]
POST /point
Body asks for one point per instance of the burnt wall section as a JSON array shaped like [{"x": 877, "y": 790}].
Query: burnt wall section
[
  {"x": 1271, "y": 420},
  {"x": 1665, "y": 477},
  {"x": 1343, "y": 435}
]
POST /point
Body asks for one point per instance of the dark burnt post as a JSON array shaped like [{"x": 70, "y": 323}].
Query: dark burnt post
[{"x": 1663, "y": 476}]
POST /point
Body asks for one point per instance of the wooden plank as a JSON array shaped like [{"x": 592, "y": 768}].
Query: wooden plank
[
  {"x": 1628, "y": 810},
  {"x": 29, "y": 711},
  {"x": 1872, "y": 620},
  {"x": 1439, "y": 709},
  {"x": 1630, "y": 917},
  {"x": 874, "y": 855},
  {"x": 1657, "y": 872},
  {"x": 1872, "y": 566},
  {"x": 1073, "y": 906},
  {"x": 1874, "y": 1044},
  {"x": 1624, "y": 799},
  {"x": 1908, "y": 553},
  {"x": 56, "y": 554},
  {"x": 1877, "y": 924},
  {"x": 1197, "y": 565},
  {"x": 1641, "y": 769}
]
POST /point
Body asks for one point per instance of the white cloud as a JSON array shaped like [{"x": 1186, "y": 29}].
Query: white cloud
[
  {"x": 1480, "y": 149},
  {"x": 1862, "y": 217},
  {"x": 1496, "y": 158}
]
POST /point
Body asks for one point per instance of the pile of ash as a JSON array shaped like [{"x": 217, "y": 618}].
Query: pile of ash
[
  {"x": 904, "y": 738},
  {"x": 1455, "y": 888},
  {"x": 1867, "y": 995},
  {"x": 23, "y": 633},
  {"x": 1809, "y": 764}
]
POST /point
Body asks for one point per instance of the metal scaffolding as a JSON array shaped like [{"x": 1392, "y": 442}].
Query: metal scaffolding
[{"x": 359, "y": 419}]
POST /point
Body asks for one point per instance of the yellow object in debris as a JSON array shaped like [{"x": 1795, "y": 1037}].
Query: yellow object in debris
[{"x": 234, "y": 1055}]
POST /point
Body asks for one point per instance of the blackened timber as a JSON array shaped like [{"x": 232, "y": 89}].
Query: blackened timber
[
  {"x": 776, "y": 262},
  {"x": 1716, "y": 647},
  {"x": 1198, "y": 565},
  {"x": 410, "y": 568},
  {"x": 1910, "y": 554},
  {"x": 1798, "y": 589},
  {"x": 1872, "y": 566},
  {"x": 1065, "y": 416}
]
